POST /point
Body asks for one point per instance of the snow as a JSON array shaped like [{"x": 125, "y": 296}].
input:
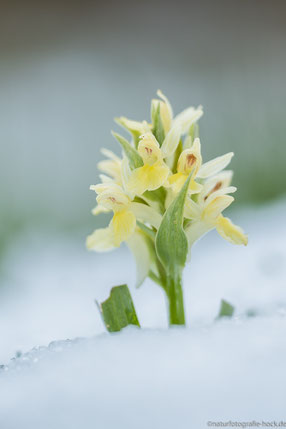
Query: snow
[
  {"x": 212, "y": 371},
  {"x": 232, "y": 370}
]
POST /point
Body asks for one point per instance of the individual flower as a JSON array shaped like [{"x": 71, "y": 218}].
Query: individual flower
[
  {"x": 189, "y": 161},
  {"x": 154, "y": 173},
  {"x": 206, "y": 213},
  {"x": 111, "y": 197}
]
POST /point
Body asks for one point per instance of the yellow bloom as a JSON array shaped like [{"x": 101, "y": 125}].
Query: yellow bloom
[
  {"x": 153, "y": 174},
  {"x": 111, "y": 197},
  {"x": 206, "y": 214},
  {"x": 189, "y": 161}
]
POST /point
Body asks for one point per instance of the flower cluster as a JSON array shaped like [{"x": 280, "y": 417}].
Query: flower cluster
[{"x": 140, "y": 186}]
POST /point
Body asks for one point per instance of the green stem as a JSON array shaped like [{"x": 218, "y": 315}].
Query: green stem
[
  {"x": 155, "y": 278},
  {"x": 176, "y": 301}
]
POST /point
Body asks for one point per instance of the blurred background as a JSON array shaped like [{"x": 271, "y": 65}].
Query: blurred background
[{"x": 67, "y": 69}]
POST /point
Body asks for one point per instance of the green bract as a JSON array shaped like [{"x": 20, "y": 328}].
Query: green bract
[
  {"x": 135, "y": 160},
  {"x": 171, "y": 240},
  {"x": 158, "y": 128}
]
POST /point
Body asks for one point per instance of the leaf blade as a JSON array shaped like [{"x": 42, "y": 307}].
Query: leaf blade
[
  {"x": 226, "y": 309},
  {"x": 118, "y": 310}
]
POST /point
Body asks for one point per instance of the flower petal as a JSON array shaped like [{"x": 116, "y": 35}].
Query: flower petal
[
  {"x": 168, "y": 104},
  {"x": 194, "y": 187},
  {"x": 99, "y": 209},
  {"x": 147, "y": 214},
  {"x": 214, "y": 166},
  {"x": 215, "y": 207},
  {"x": 230, "y": 232},
  {"x": 109, "y": 154},
  {"x": 125, "y": 172},
  {"x": 190, "y": 159},
  {"x": 101, "y": 240},
  {"x": 138, "y": 245},
  {"x": 110, "y": 166},
  {"x": 102, "y": 187},
  {"x": 215, "y": 183},
  {"x": 220, "y": 192},
  {"x": 187, "y": 117},
  {"x": 192, "y": 210},
  {"x": 196, "y": 230},
  {"x": 133, "y": 126},
  {"x": 113, "y": 198},
  {"x": 171, "y": 141},
  {"x": 148, "y": 178},
  {"x": 105, "y": 179},
  {"x": 176, "y": 182},
  {"x": 149, "y": 149},
  {"x": 123, "y": 224}
]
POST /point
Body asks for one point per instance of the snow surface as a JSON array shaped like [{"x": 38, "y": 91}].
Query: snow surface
[{"x": 153, "y": 377}]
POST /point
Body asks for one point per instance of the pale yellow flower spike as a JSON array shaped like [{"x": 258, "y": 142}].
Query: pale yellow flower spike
[
  {"x": 121, "y": 183},
  {"x": 154, "y": 173}
]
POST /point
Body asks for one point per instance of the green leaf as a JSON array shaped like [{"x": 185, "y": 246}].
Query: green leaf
[
  {"x": 171, "y": 240},
  {"x": 158, "y": 129},
  {"x": 135, "y": 160},
  {"x": 226, "y": 309},
  {"x": 118, "y": 310}
]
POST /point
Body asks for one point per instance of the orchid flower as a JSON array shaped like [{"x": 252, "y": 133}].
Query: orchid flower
[
  {"x": 153, "y": 174},
  {"x": 111, "y": 197}
]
